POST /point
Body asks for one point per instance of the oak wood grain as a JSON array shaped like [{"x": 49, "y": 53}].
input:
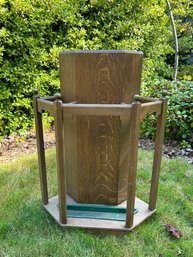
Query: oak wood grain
[
  {"x": 133, "y": 157},
  {"x": 60, "y": 160},
  {"x": 157, "y": 155},
  {"x": 98, "y": 225},
  {"x": 44, "y": 105},
  {"x": 40, "y": 148},
  {"x": 122, "y": 110},
  {"x": 151, "y": 107},
  {"x": 92, "y": 143}
]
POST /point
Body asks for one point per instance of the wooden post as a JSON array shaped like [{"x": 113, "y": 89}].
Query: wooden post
[
  {"x": 60, "y": 159},
  {"x": 133, "y": 150},
  {"x": 40, "y": 148},
  {"x": 157, "y": 154}
]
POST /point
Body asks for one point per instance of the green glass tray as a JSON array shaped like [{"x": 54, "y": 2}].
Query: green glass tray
[{"x": 97, "y": 211}]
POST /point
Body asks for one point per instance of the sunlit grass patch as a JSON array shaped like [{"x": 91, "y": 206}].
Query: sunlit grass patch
[{"x": 27, "y": 230}]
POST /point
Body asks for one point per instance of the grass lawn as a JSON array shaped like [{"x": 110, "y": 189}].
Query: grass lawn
[{"x": 27, "y": 230}]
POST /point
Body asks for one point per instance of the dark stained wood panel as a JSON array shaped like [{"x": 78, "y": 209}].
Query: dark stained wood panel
[
  {"x": 98, "y": 141},
  {"x": 97, "y": 146}
]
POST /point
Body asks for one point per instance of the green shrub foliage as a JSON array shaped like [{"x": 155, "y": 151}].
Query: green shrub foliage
[
  {"x": 33, "y": 32},
  {"x": 179, "y": 122}
]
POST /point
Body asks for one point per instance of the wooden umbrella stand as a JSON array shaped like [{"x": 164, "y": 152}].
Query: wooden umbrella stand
[{"x": 97, "y": 133}]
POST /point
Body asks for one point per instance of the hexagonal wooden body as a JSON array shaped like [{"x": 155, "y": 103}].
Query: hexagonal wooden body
[{"x": 96, "y": 147}]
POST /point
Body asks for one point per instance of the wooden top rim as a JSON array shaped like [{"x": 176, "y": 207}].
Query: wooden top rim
[{"x": 101, "y": 52}]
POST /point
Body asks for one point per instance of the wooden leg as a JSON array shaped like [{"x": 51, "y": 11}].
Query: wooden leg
[
  {"x": 40, "y": 148},
  {"x": 157, "y": 156},
  {"x": 60, "y": 159},
  {"x": 133, "y": 150}
]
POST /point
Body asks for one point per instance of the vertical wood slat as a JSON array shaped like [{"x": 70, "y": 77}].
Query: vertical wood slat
[
  {"x": 60, "y": 158},
  {"x": 40, "y": 148},
  {"x": 133, "y": 150},
  {"x": 157, "y": 155}
]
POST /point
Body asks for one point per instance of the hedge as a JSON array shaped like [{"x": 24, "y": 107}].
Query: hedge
[
  {"x": 33, "y": 32},
  {"x": 179, "y": 122}
]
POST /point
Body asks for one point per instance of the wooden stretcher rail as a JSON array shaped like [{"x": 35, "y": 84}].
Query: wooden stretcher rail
[
  {"x": 151, "y": 107},
  {"x": 49, "y": 98},
  {"x": 44, "y": 105},
  {"x": 122, "y": 110},
  {"x": 143, "y": 99}
]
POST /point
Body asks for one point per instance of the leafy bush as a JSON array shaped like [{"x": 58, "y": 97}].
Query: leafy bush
[
  {"x": 179, "y": 122},
  {"x": 33, "y": 32}
]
